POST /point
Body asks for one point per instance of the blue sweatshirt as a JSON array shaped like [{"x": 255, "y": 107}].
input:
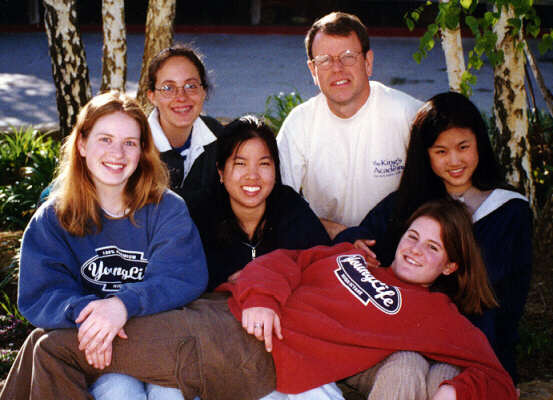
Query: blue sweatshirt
[{"x": 153, "y": 266}]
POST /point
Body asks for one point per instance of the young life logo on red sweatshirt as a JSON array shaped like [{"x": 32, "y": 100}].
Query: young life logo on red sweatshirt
[{"x": 353, "y": 274}]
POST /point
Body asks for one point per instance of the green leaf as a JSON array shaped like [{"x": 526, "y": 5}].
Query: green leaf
[
  {"x": 515, "y": 23},
  {"x": 410, "y": 24},
  {"x": 533, "y": 30},
  {"x": 452, "y": 21},
  {"x": 433, "y": 29},
  {"x": 417, "y": 56},
  {"x": 490, "y": 18},
  {"x": 472, "y": 23},
  {"x": 546, "y": 43},
  {"x": 466, "y": 4}
]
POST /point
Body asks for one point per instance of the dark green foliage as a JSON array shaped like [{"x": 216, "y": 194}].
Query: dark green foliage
[
  {"x": 277, "y": 107},
  {"x": 27, "y": 160}
]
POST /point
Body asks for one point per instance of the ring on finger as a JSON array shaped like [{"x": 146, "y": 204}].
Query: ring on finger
[{"x": 257, "y": 325}]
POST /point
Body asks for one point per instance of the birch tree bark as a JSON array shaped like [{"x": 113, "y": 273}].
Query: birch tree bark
[
  {"x": 454, "y": 57},
  {"x": 159, "y": 35},
  {"x": 69, "y": 67},
  {"x": 510, "y": 107},
  {"x": 114, "y": 58},
  {"x": 546, "y": 93}
]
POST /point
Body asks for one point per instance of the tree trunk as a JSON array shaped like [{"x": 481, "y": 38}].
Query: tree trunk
[
  {"x": 159, "y": 35},
  {"x": 454, "y": 57},
  {"x": 69, "y": 67},
  {"x": 546, "y": 93},
  {"x": 510, "y": 108},
  {"x": 114, "y": 58}
]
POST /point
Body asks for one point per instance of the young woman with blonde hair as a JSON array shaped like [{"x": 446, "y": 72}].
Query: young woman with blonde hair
[{"x": 111, "y": 242}]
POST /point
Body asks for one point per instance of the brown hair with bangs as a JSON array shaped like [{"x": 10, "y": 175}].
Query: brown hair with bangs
[
  {"x": 468, "y": 286},
  {"x": 338, "y": 24},
  {"x": 75, "y": 198}
]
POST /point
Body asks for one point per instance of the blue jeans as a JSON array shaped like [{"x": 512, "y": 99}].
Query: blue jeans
[{"x": 121, "y": 387}]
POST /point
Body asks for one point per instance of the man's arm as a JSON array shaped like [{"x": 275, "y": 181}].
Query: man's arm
[{"x": 332, "y": 228}]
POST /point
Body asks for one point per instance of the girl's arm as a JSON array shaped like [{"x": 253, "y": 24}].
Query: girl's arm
[
  {"x": 50, "y": 293},
  {"x": 374, "y": 226},
  {"x": 297, "y": 224},
  {"x": 269, "y": 280}
]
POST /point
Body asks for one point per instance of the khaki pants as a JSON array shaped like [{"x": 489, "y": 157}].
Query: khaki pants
[{"x": 201, "y": 349}]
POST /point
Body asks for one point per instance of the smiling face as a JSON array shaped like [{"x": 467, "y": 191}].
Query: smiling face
[
  {"x": 454, "y": 158},
  {"x": 346, "y": 88},
  {"x": 249, "y": 176},
  {"x": 176, "y": 115},
  {"x": 421, "y": 256},
  {"x": 112, "y": 151}
]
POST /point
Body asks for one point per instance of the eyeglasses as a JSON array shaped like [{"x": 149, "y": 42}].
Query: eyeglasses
[
  {"x": 170, "y": 90},
  {"x": 347, "y": 58}
]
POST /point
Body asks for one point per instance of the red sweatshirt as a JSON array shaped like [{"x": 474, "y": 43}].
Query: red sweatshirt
[{"x": 340, "y": 318}]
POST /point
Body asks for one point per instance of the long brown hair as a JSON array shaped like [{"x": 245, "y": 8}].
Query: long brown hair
[
  {"x": 75, "y": 198},
  {"x": 468, "y": 286}
]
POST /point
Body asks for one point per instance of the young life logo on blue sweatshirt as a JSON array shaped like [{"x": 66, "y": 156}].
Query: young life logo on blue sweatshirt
[
  {"x": 111, "y": 267},
  {"x": 352, "y": 273}
]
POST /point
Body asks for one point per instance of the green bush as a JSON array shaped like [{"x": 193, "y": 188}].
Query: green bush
[
  {"x": 277, "y": 108},
  {"x": 28, "y": 160}
]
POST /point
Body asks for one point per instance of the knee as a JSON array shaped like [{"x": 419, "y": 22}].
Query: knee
[
  {"x": 53, "y": 341},
  {"x": 117, "y": 386},
  {"x": 156, "y": 392},
  {"x": 405, "y": 366},
  {"x": 438, "y": 373},
  {"x": 401, "y": 376}
]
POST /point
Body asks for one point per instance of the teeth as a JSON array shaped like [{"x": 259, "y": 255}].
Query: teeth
[
  {"x": 182, "y": 109},
  {"x": 114, "y": 166},
  {"x": 411, "y": 261},
  {"x": 342, "y": 82},
  {"x": 456, "y": 171},
  {"x": 251, "y": 188}
]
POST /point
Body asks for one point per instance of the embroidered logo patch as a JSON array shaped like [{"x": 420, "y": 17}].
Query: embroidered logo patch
[
  {"x": 112, "y": 266},
  {"x": 353, "y": 274}
]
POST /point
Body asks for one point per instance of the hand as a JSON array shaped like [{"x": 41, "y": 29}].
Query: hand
[
  {"x": 332, "y": 228},
  {"x": 363, "y": 244},
  {"x": 101, "y": 321},
  {"x": 260, "y": 321},
  {"x": 445, "y": 392},
  {"x": 234, "y": 277},
  {"x": 101, "y": 359}
]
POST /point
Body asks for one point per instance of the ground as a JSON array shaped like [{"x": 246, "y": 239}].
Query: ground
[{"x": 536, "y": 350}]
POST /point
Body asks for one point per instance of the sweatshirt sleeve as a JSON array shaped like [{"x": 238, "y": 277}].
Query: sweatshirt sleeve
[
  {"x": 50, "y": 294},
  {"x": 298, "y": 226},
  {"x": 476, "y": 384},
  {"x": 177, "y": 271},
  {"x": 454, "y": 340},
  {"x": 269, "y": 280}
]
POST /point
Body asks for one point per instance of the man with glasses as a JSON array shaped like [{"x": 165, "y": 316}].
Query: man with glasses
[{"x": 345, "y": 148}]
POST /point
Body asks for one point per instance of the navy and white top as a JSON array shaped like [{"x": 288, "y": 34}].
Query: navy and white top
[{"x": 154, "y": 265}]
